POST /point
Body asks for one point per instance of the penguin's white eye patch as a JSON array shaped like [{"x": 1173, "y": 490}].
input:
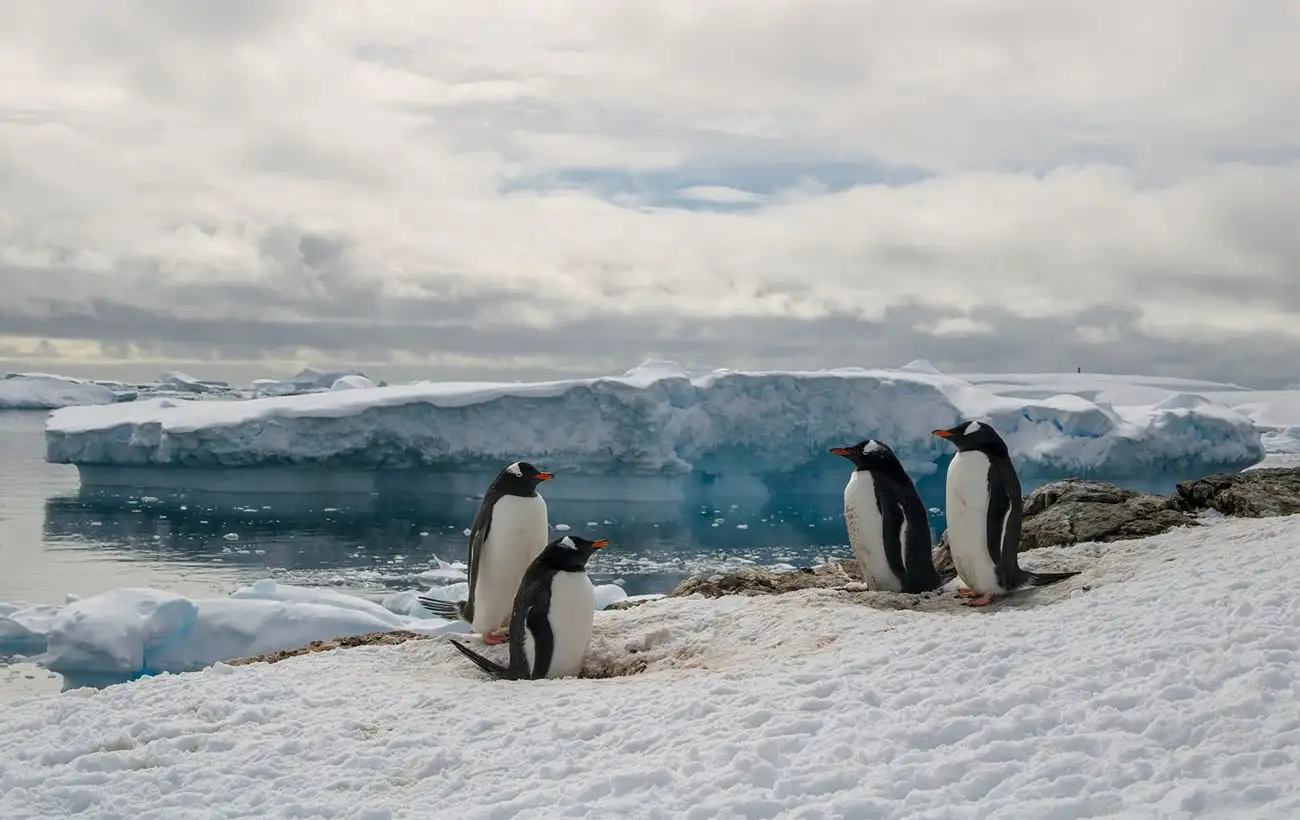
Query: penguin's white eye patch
[
  {"x": 567, "y": 543},
  {"x": 972, "y": 428},
  {"x": 871, "y": 447},
  {"x": 513, "y": 469}
]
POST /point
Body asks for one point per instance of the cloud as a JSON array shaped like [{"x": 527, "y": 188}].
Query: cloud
[{"x": 575, "y": 183}]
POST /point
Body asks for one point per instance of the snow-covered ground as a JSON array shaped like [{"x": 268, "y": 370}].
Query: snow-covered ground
[
  {"x": 45, "y": 391},
  {"x": 1162, "y": 682},
  {"x": 729, "y": 430}
]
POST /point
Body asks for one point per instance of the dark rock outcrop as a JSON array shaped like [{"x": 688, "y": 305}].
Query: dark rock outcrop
[
  {"x": 1074, "y": 511},
  {"x": 1061, "y": 513},
  {"x": 1252, "y": 494},
  {"x": 759, "y": 581}
]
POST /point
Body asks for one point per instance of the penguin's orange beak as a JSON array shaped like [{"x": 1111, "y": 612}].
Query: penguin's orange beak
[
  {"x": 601, "y": 544},
  {"x": 839, "y": 451},
  {"x": 545, "y": 476},
  {"x": 941, "y": 433}
]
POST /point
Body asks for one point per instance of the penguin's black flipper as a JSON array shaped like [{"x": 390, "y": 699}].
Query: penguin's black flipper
[
  {"x": 494, "y": 669},
  {"x": 451, "y": 610},
  {"x": 1042, "y": 579}
]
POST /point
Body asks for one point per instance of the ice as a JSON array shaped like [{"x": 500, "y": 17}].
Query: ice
[
  {"x": 25, "y": 628},
  {"x": 269, "y": 590},
  {"x": 668, "y": 435},
  {"x": 1159, "y": 683},
  {"x": 352, "y": 383},
  {"x": 307, "y": 380},
  {"x": 134, "y": 631},
  {"x": 179, "y": 382},
  {"x": 43, "y": 391}
]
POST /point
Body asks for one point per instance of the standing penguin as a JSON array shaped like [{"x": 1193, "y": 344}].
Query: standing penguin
[
  {"x": 984, "y": 510},
  {"x": 886, "y": 520},
  {"x": 550, "y": 623},
  {"x": 508, "y": 532}
]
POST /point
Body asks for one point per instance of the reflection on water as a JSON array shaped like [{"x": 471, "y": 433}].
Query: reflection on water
[{"x": 384, "y": 542}]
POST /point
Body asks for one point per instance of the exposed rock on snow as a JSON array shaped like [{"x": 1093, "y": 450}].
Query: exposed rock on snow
[
  {"x": 1062, "y": 513},
  {"x": 1074, "y": 511},
  {"x": 760, "y": 581},
  {"x": 371, "y": 639},
  {"x": 1252, "y": 494}
]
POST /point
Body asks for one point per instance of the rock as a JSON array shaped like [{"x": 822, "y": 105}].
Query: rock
[
  {"x": 626, "y": 604},
  {"x": 1251, "y": 494},
  {"x": 759, "y": 581},
  {"x": 371, "y": 639},
  {"x": 1075, "y": 510}
]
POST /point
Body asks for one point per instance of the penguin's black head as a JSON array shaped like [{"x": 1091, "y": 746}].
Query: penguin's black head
[
  {"x": 521, "y": 478},
  {"x": 974, "y": 435},
  {"x": 868, "y": 455},
  {"x": 570, "y": 552}
]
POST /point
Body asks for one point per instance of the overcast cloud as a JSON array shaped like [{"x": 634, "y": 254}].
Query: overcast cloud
[{"x": 500, "y": 188}]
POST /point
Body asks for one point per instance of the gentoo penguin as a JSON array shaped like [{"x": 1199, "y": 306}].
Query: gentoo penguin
[
  {"x": 886, "y": 520},
  {"x": 984, "y": 509},
  {"x": 508, "y": 532},
  {"x": 550, "y": 624}
]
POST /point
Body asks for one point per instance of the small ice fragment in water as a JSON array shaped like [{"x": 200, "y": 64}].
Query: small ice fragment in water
[
  {"x": 465, "y": 531},
  {"x": 148, "y": 499},
  {"x": 424, "y": 535},
  {"x": 742, "y": 526},
  {"x": 231, "y": 536},
  {"x": 562, "y": 527}
]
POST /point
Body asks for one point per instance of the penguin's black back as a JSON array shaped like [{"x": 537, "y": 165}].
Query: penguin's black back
[{"x": 899, "y": 502}]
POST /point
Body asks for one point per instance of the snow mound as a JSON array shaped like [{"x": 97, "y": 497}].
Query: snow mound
[
  {"x": 759, "y": 430},
  {"x": 179, "y": 382},
  {"x": 352, "y": 383},
  {"x": 1160, "y": 683},
  {"x": 140, "y": 631},
  {"x": 41, "y": 391},
  {"x": 128, "y": 632},
  {"x": 307, "y": 380}
]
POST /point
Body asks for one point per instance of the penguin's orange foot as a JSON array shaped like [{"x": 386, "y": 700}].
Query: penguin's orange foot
[
  {"x": 496, "y": 636},
  {"x": 982, "y": 600},
  {"x": 966, "y": 592}
]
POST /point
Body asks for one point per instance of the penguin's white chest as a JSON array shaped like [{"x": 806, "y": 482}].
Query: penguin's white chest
[
  {"x": 573, "y": 608},
  {"x": 967, "y": 509},
  {"x": 866, "y": 528},
  {"x": 517, "y": 536}
]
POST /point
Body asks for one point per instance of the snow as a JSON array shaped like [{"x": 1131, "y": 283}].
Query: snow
[
  {"x": 742, "y": 432},
  {"x": 43, "y": 391},
  {"x": 1159, "y": 683},
  {"x": 179, "y": 382},
  {"x": 352, "y": 383},
  {"x": 310, "y": 380},
  {"x": 138, "y": 631}
]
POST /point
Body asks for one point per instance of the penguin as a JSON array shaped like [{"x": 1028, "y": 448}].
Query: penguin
[
  {"x": 886, "y": 520},
  {"x": 509, "y": 531},
  {"x": 550, "y": 623},
  {"x": 984, "y": 509}
]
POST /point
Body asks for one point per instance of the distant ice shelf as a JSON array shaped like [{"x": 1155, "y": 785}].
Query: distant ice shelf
[{"x": 661, "y": 433}]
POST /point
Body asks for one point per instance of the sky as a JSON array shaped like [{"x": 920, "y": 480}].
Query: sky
[{"x": 515, "y": 190}]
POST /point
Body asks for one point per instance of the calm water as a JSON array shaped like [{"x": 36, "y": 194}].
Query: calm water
[{"x": 57, "y": 539}]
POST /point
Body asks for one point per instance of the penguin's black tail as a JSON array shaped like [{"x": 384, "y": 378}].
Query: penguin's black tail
[
  {"x": 1042, "y": 579},
  {"x": 451, "y": 610},
  {"x": 494, "y": 669}
]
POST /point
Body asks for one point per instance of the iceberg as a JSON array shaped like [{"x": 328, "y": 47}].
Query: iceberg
[
  {"x": 666, "y": 435},
  {"x": 311, "y": 380},
  {"x": 44, "y": 391}
]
